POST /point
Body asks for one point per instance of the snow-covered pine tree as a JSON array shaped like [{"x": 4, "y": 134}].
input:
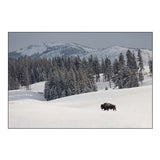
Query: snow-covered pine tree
[
  {"x": 68, "y": 92},
  {"x": 132, "y": 70},
  {"x": 121, "y": 73},
  {"x": 96, "y": 68},
  {"x": 131, "y": 61},
  {"x": 102, "y": 67},
  {"x": 140, "y": 67},
  {"x": 47, "y": 91},
  {"x": 121, "y": 60},
  {"x": 54, "y": 94},
  {"x": 116, "y": 72},
  {"x": 108, "y": 71},
  {"x": 116, "y": 66},
  {"x": 26, "y": 78}
]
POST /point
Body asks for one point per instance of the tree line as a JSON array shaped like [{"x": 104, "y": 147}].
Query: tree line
[{"x": 66, "y": 76}]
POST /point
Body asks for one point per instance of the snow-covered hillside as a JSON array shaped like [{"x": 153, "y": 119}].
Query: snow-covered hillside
[
  {"x": 113, "y": 53},
  {"x": 28, "y": 109},
  {"x": 49, "y": 50}
]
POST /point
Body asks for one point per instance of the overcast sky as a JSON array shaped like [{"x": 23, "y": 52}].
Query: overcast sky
[{"x": 96, "y": 40}]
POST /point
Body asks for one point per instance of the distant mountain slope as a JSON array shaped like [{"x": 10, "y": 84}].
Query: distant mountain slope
[
  {"x": 49, "y": 50},
  {"x": 113, "y": 52}
]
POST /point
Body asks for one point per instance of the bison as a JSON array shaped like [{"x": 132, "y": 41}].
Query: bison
[{"x": 107, "y": 106}]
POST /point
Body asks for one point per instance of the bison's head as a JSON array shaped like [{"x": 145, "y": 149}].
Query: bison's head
[{"x": 102, "y": 106}]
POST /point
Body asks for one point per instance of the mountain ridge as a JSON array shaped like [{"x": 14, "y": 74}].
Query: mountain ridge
[{"x": 50, "y": 50}]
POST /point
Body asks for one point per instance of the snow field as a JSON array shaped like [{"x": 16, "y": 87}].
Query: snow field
[{"x": 134, "y": 110}]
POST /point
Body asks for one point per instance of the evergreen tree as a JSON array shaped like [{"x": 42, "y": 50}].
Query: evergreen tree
[
  {"x": 121, "y": 60},
  {"x": 140, "y": 61},
  {"x": 26, "y": 78},
  {"x": 96, "y": 68},
  {"x": 116, "y": 73},
  {"x": 150, "y": 66},
  {"x": 108, "y": 71},
  {"x": 132, "y": 70},
  {"x": 122, "y": 71},
  {"x": 140, "y": 65},
  {"x": 131, "y": 61},
  {"x": 102, "y": 67},
  {"x": 116, "y": 66},
  {"x": 119, "y": 72},
  {"x": 47, "y": 91}
]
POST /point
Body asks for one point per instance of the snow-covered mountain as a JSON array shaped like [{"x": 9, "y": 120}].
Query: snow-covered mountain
[{"x": 49, "y": 50}]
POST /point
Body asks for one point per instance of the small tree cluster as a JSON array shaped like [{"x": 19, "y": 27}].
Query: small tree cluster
[
  {"x": 74, "y": 80},
  {"x": 24, "y": 71},
  {"x": 13, "y": 82},
  {"x": 125, "y": 75}
]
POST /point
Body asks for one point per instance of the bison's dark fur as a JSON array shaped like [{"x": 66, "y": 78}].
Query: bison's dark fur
[{"x": 107, "y": 106}]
